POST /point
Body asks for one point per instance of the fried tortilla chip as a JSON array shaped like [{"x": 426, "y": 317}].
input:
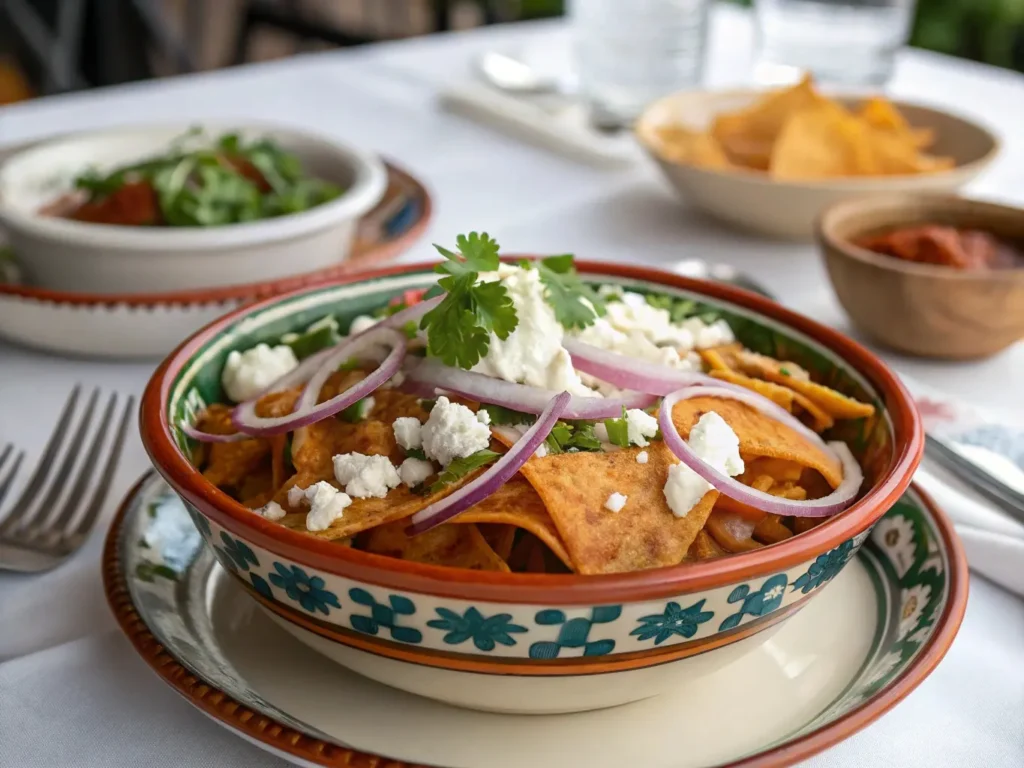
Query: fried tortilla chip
[
  {"x": 759, "y": 435},
  {"x": 771, "y": 530},
  {"x": 455, "y": 546},
  {"x": 517, "y": 503},
  {"x": 704, "y": 547},
  {"x": 821, "y": 142},
  {"x": 781, "y": 396},
  {"x": 748, "y": 135},
  {"x": 828, "y": 400},
  {"x": 228, "y": 464},
  {"x": 314, "y": 446},
  {"x": 501, "y": 538},
  {"x": 684, "y": 145},
  {"x": 882, "y": 115},
  {"x": 732, "y": 532},
  {"x": 644, "y": 534},
  {"x": 391, "y": 404}
]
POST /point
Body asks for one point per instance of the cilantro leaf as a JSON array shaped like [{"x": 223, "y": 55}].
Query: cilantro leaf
[
  {"x": 618, "y": 431},
  {"x": 494, "y": 309},
  {"x": 576, "y": 304},
  {"x": 458, "y": 329},
  {"x": 358, "y": 411},
  {"x": 453, "y": 334},
  {"x": 416, "y": 453},
  {"x": 459, "y": 468},
  {"x": 583, "y": 437},
  {"x": 501, "y": 416}
]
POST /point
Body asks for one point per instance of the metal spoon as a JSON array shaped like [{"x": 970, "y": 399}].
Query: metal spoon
[
  {"x": 720, "y": 273},
  {"x": 514, "y": 76}
]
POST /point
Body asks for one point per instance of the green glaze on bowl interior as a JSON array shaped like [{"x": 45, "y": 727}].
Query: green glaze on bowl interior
[{"x": 351, "y": 602}]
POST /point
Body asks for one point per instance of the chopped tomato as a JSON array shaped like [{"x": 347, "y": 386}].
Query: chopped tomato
[{"x": 134, "y": 204}]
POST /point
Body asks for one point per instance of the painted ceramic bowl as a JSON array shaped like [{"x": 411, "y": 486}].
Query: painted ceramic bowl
[
  {"x": 66, "y": 255},
  {"x": 530, "y": 642}
]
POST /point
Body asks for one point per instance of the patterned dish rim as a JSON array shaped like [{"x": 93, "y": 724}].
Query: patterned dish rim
[
  {"x": 570, "y": 589},
  {"x": 283, "y": 738},
  {"x": 360, "y": 259}
]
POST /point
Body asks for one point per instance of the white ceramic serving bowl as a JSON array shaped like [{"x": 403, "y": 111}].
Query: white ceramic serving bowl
[
  {"x": 70, "y": 255},
  {"x": 754, "y": 201}
]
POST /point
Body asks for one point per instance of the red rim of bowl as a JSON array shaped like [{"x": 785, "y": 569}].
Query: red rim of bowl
[
  {"x": 544, "y": 588},
  {"x": 359, "y": 260}
]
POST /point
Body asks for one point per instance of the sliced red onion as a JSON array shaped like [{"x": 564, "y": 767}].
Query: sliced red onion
[
  {"x": 496, "y": 475},
  {"x": 628, "y": 372},
  {"x": 209, "y": 437},
  {"x": 829, "y": 505},
  {"x": 307, "y": 410},
  {"x": 519, "y": 397}
]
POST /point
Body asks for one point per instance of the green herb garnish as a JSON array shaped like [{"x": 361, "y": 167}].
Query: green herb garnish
[
  {"x": 458, "y": 329},
  {"x": 501, "y": 416},
  {"x": 427, "y": 404},
  {"x": 226, "y": 181},
  {"x": 358, "y": 411},
  {"x": 416, "y": 453},
  {"x": 785, "y": 371},
  {"x": 352, "y": 364},
  {"x": 320, "y": 335},
  {"x": 576, "y": 304},
  {"x": 459, "y": 468},
  {"x": 618, "y": 431}
]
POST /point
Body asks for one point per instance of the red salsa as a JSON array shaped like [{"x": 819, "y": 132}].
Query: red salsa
[{"x": 945, "y": 246}]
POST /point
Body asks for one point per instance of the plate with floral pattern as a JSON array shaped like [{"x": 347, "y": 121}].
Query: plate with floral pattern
[{"x": 831, "y": 669}]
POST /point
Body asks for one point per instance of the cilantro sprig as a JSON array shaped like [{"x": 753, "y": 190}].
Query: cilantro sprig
[
  {"x": 461, "y": 467},
  {"x": 458, "y": 329},
  {"x": 572, "y": 437},
  {"x": 576, "y": 304}
]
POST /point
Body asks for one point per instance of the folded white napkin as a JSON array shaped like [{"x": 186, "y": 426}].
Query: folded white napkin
[
  {"x": 994, "y": 541},
  {"x": 553, "y": 122}
]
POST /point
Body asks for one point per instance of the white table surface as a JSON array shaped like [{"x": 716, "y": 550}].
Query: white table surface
[{"x": 71, "y": 690}]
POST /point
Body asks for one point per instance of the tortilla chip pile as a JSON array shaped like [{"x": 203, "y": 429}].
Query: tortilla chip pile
[
  {"x": 551, "y": 518},
  {"x": 798, "y": 134}
]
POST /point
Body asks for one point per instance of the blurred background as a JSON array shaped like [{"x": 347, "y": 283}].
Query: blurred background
[{"x": 50, "y": 46}]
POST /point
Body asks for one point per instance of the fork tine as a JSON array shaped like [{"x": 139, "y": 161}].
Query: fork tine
[
  {"x": 38, "y": 477},
  {"x": 67, "y": 464},
  {"x": 86, "y": 470},
  {"x": 8, "y": 481},
  {"x": 100, "y": 494}
]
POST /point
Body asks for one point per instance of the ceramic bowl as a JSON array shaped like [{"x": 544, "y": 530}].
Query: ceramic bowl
[
  {"x": 60, "y": 254},
  {"x": 788, "y": 209},
  {"x": 529, "y": 642},
  {"x": 924, "y": 309}
]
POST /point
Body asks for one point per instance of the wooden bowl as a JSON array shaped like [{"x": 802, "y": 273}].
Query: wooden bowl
[
  {"x": 924, "y": 309},
  {"x": 754, "y": 201}
]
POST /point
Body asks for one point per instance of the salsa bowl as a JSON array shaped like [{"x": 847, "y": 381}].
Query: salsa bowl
[{"x": 519, "y": 642}]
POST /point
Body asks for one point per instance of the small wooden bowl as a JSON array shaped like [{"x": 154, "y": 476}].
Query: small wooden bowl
[{"x": 924, "y": 309}]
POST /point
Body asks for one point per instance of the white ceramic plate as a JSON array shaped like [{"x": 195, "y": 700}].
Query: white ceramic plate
[{"x": 835, "y": 666}]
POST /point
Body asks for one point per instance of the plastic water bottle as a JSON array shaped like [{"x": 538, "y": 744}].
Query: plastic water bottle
[{"x": 631, "y": 52}]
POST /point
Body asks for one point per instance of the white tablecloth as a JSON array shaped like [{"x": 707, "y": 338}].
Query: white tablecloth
[{"x": 71, "y": 690}]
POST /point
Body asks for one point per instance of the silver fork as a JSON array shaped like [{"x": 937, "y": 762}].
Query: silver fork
[{"x": 41, "y": 531}]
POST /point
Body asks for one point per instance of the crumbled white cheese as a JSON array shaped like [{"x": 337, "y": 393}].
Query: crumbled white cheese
[
  {"x": 326, "y": 504},
  {"x": 634, "y": 328},
  {"x": 272, "y": 511},
  {"x": 363, "y": 323},
  {"x": 639, "y": 426},
  {"x": 641, "y": 458},
  {"x": 483, "y": 417},
  {"x": 395, "y": 381},
  {"x": 296, "y": 496},
  {"x": 453, "y": 432},
  {"x": 365, "y": 476},
  {"x": 533, "y": 353},
  {"x": 408, "y": 432},
  {"x": 248, "y": 373},
  {"x": 714, "y": 441},
  {"x": 707, "y": 335},
  {"x": 615, "y": 502},
  {"x": 414, "y": 471}
]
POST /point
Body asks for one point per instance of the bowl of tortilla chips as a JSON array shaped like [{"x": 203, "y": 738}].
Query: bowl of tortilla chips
[
  {"x": 771, "y": 161},
  {"x": 561, "y": 557}
]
